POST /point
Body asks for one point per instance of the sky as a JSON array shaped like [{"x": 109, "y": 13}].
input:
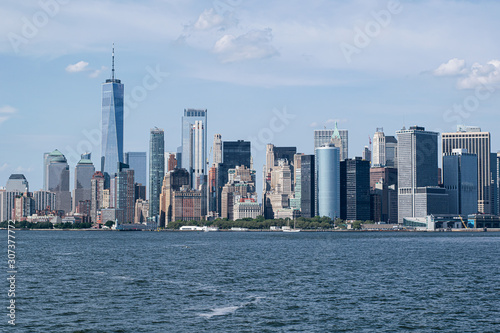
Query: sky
[{"x": 266, "y": 71}]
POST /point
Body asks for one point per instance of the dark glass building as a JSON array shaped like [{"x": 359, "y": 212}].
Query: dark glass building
[
  {"x": 234, "y": 153},
  {"x": 307, "y": 185},
  {"x": 355, "y": 189},
  {"x": 156, "y": 169}
]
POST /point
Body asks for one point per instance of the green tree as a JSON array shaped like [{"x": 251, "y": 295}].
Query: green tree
[{"x": 109, "y": 224}]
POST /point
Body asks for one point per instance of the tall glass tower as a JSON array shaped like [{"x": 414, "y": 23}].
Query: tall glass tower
[
  {"x": 112, "y": 122},
  {"x": 156, "y": 169},
  {"x": 194, "y": 144}
]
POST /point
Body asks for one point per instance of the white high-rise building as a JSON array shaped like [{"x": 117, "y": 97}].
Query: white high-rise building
[{"x": 378, "y": 154}]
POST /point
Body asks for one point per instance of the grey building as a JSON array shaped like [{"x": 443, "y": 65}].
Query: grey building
[
  {"x": 417, "y": 169},
  {"x": 58, "y": 180},
  {"x": 137, "y": 160},
  {"x": 84, "y": 171},
  {"x": 391, "y": 151},
  {"x": 17, "y": 183},
  {"x": 44, "y": 200},
  {"x": 460, "y": 181},
  {"x": 324, "y": 136},
  {"x": 307, "y": 186},
  {"x": 156, "y": 169}
]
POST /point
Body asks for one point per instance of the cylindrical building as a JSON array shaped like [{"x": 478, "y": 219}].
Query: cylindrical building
[{"x": 328, "y": 181}]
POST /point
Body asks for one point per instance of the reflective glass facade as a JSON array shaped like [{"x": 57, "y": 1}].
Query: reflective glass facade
[
  {"x": 112, "y": 126},
  {"x": 328, "y": 181}
]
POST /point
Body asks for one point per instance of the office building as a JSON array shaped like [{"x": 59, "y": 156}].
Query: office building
[
  {"x": 125, "y": 192},
  {"x": 417, "y": 170},
  {"x": 494, "y": 184},
  {"x": 240, "y": 188},
  {"x": 391, "y": 152},
  {"x": 367, "y": 154},
  {"x": 112, "y": 123},
  {"x": 324, "y": 136},
  {"x": 194, "y": 144},
  {"x": 17, "y": 183},
  {"x": 307, "y": 186},
  {"x": 24, "y": 206},
  {"x": 58, "y": 180},
  {"x": 234, "y": 153},
  {"x": 387, "y": 175},
  {"x": 174, "y": 180},
  {"x": 137, "y": 161},
  {"x": 378, "y": 156},
  {"x": 44, "y": 201},
  {"x": 327, "y": 162},
  {"x": 97, "y": 195},
  {"x": 217, "y": 149},
  {"x": 170, "y": 162},
  {"x": 476, "y": 142},
  {"x": 84, "y": 171},
  {"x": 156, "y": 169},
  {"x": 460, "y": 181},
  {"x": 141, "y": 211},
  {"x": 355, "y": 189}
]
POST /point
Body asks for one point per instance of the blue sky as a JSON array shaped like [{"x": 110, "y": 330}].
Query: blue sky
[{"x": 365, "y": 64}]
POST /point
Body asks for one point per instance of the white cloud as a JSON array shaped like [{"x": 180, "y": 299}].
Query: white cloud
[
  {"x": 255, "y": 44},
  {"x": 208, "y": 19},
  {"x": 453, "y": 67},
  {"x": 6, "y": 113},
  {"x": 4, "y": 167},
  {"x": 313, "y": 124},
  {"x": 78, "y": 67},
  {"x": 481, "y": 75},
  {"x": 21, "y": 169},
  {"x": 97, "y": 72}
]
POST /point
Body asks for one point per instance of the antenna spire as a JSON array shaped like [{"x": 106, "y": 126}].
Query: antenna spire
[{"x": 113, "y": 63}]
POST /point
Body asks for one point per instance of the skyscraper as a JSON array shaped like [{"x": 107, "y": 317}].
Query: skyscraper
[
  {"x": 234, "y": 153},
  {"x": 138, "y": 162},
  {"x": 307, "y": 186},
  {"x": 194, "y": 143},
  {"x": 328, "y": 181},
  {"x": 156, "y": 169},
  {"x": 217, "y": 149},
  {"x": 367, "y": 154},
  {"x": 355, "y": 189},
  {"x": 125, "y": 192},
  {"x": 97, "y": 195},
  {"x": 112, "y": 123},
  {"x": 17, "y": 183},
  {"x": 324, "y": 136},
  {"x": 476, "y": 142},
  {"x": 84, "y": 171},
  {"x": 418, "y": 194},
  {"x": 174, "y": 180},
  {"x": 391, "y": 152},
  {"x": 378, "y": 156},
  {"x": 460, "y": 181},
  {"x": 58, "y": 180}
]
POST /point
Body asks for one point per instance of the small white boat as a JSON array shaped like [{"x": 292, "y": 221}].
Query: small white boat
[{"x": 288, "y": 229}]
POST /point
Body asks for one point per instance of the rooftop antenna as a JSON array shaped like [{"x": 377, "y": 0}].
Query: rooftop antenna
[{"x": 113, "y": 63}]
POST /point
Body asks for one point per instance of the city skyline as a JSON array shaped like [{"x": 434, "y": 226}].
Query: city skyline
[{"x": 376, "y": 89}]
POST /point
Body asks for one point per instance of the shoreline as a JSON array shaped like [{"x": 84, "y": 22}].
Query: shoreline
[{"x": 267, "y": 230}]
